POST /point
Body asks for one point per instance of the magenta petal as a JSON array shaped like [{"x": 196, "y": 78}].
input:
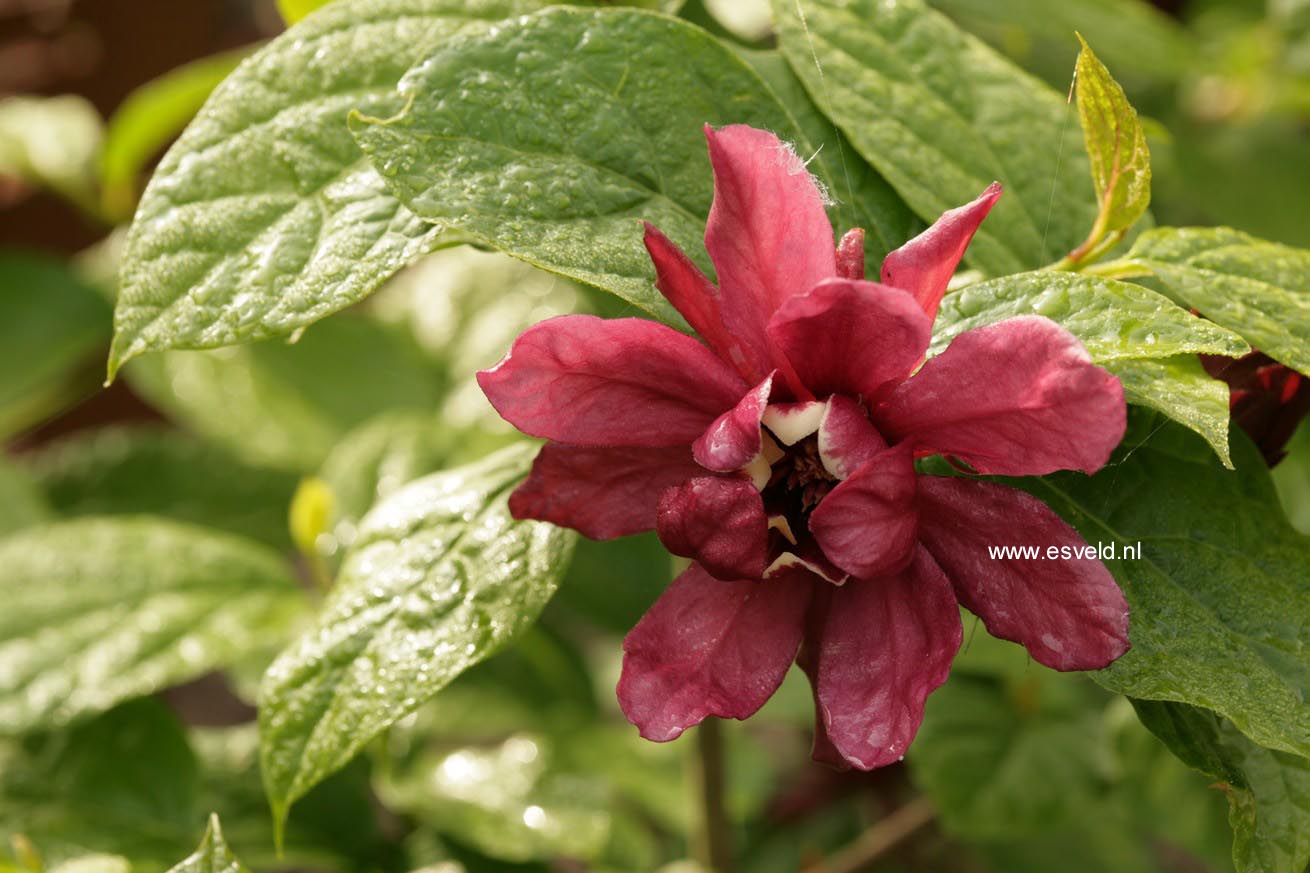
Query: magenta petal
[
  {"x": 734, "y": 439},
  {"x": 1017, "y": 398},
  {"x": 601, "y": 493},
  {"x": 718, "y": 522},
  {"x": 1068, "y": 613},
  {"x": 768, "y": 233},
  {"x": 624, "y": 382},
  {"x": 692, "y": 294},
  {"x": 807, "y": 659},
  {"x": 866, "y": 525},
  {"x": 710, "y": 647},
  {"x": 925, "y": 264},
  {"x": 848, "y": 336},
  {"x": 847, "y": 438},
  {"x": 885, "y": 645},
  {"x": 850, "y": 254}
]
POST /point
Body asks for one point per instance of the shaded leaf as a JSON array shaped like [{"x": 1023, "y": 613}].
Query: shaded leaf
[
  {"x": 21, "y": 501},
  {"x": 941, "y": 116}
]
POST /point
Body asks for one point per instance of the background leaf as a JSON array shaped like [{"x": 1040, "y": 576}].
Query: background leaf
[
  {"x": 439, "y": 578},
  {"x": 101, "y": 610},
  {"x": 264, "y": 217},
  {"x": 52, "y": 142},
  {"x": 1181, "y": 389},
  {"x": 1259, "y": 289},
  {"x": 941, "y": 116}
]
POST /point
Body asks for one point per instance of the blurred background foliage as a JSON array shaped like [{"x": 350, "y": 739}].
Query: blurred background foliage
[{"x": 524, "y": 764}]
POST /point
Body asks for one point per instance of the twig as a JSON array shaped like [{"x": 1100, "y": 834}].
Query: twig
[
  {"x": 878, "y": 839},
  {"x": 714, "y": 841}
]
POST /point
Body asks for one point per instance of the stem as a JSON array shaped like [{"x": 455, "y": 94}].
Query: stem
[
  {"x": 714, "y": 840},
  {"x": 880, "y": 838},
  {"x": 1122, "y": 268}
]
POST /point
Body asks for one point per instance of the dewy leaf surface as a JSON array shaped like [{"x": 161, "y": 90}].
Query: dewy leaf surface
[
  {"x": 101, "y": 610},
  {"x": 553, "y": 136},
  {"x": 1259, "y": 289},
  {"x": 1268, "y": 792},
  {"x": 1220, "y": 613},
  {"x": 1141, "y": 336},
  {"x": 1116, "y": 145},
  {"x": 940, "y": 115},
  {"x": 264, "y": 217},
  {"x": 439, "y": 578}
]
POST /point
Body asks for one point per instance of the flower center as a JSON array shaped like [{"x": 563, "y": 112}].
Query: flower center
[{"x": 802, "y": 476}]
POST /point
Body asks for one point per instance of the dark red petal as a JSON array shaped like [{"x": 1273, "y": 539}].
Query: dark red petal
[
  {"x": 718, "y": 522},
  {"x": 847, "y": 438},
  {"x": 848, "y": 336},
  {"x": 768, "y": 233},
  {"x": 624, "y": 382},
  {"x": 691, "y": 293},
  {"x": 850, "y": 254},
  {"x": 710, "y": 647},
  {"x": 1017, "y": 398},
  {"x": 884, "y": 646},
  {"x": 1069, "y": 614},
  {"x": 734, "y": 438},
  {"x": 866, "y": 525},
  {"x": 925, "y": 264},
  {"x": 601, "y": 493},
  {"x": 807, "y": 659}
]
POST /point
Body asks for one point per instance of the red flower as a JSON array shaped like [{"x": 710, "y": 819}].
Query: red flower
[
  {"x": 779, "y": 455},
  {"x": 1267, "y": 399}
]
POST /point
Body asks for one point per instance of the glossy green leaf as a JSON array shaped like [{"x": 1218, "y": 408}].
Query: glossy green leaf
[
  {"x": 124, "y": 782},
  {"x": 51, "y": 142},
  {"x": 101, "y": 610},
  {"x": 940, "y": 115},
  {"x": 1181, "y": 389},
  {"x": 1268, "y": 791},
  {"x": 212, "y": 855},
  {"x": 438, "y": 578},
  {"x": 263, "y": 217},
  {"x": 1219, "y": 615},
  {"x": 1259, "y": 289},
  {"x": 507, "y": 801},
  {"x": 555, "y": 153},
  {"x": 380, "y": 457},
  {"x": 1116, "y": 145},
  {"x": 51, "y": 322},
  {"x": 287, "y": 404},
  {"x": 147, "y": 120},
  {"x": 133, "y": 470},
  {"x": 861, "y": 197}
]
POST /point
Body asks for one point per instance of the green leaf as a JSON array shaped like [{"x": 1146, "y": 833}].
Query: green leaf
[
  {"x": 286, "y": 405},
  {"x": 294, "y": 10},
  {"x": 1259, "y": 289},
  {"x": 380, "y": 457},
  {"x": 134, "y": 470},
  {"x": 212, "y": 855},
  {"x": 439, "y": 578},
  {"x": 263, "y": 217},
  {"x": 554, "y": 154},
  {"x": 101, "y": 610},
  {"x": 1292, "y": 479},
  {"x": 1003, "y": 756},
  {"x": 148, "y": 119},
  {"x": 50, "y": 322},
  {"x": 1181, "y": 389},
  {"x": 507, "y": 801},
  {"x": 1268, "y": 791},
  {"x": 862, "y": 197},
  {"x": 1219, "y": 617},
  {"x": 1116, "y": 144},
  {"x": 21, "y": 501},
  {"x": 52, "y": 142},
  {"x": 940, "y": 115},
  {"x": 124, "y": 782},
  {"x": 1139, "y": 335}
]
